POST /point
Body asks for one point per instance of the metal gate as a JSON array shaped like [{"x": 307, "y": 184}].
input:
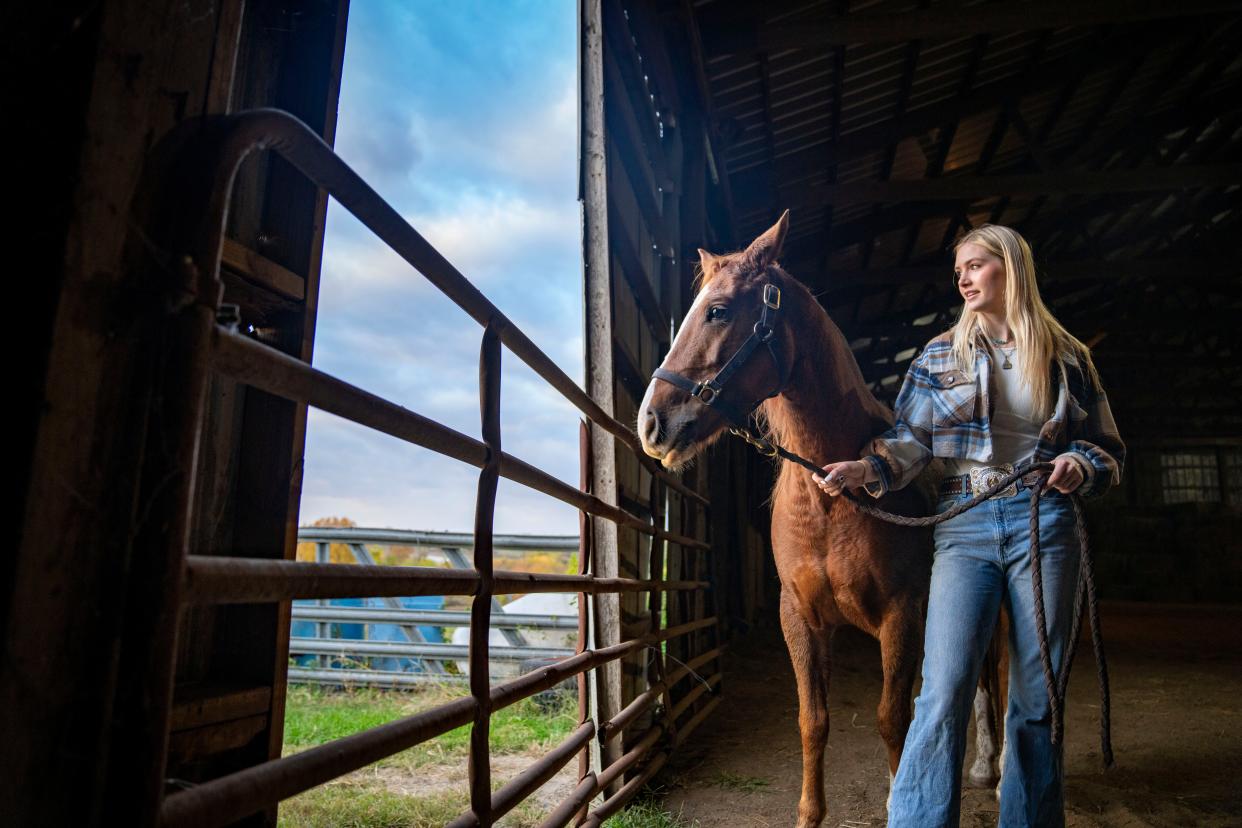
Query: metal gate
[{"x": 190, "y": 205}]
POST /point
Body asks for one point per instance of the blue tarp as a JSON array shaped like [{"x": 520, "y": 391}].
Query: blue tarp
[{"x": 379, "y": 632}]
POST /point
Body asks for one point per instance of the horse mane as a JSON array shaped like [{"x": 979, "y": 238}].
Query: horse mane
[{"x": 820, "y": 339}]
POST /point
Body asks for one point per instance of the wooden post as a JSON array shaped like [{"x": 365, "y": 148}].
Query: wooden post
[{"x": 593, "y": 193}]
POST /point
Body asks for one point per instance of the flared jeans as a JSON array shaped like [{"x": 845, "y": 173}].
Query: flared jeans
[{"x": 982, "y": 561}]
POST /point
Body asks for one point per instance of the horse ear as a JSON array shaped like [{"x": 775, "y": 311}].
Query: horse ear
[
  {"x": 709, "y": 263},
  {"x": 766, "y": 249}
]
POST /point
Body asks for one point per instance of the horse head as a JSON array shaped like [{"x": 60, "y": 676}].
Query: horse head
[{"x": 730, "y": 353}]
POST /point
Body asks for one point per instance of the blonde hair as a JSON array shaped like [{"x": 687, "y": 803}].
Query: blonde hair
[{"x": 1040, "y": 338}]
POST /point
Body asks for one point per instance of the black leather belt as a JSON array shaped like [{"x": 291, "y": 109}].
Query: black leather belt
[{"x": 979, "y": 480}]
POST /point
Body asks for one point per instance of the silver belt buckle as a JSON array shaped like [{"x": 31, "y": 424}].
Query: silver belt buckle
[{"x": 985, "y": 477}]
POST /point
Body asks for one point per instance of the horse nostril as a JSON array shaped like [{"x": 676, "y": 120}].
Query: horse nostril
[{"x": 651, "y": 427}]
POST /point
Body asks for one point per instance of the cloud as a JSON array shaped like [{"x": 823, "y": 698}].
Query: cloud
[
  {"x": 491, "y": 237},
  {"x": 465, "y": 122},
  {"x": 525, "y": 144},
  {"x": 382, "y": 147}
]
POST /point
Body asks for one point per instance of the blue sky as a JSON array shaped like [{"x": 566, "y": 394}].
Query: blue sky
[{"x": 464, "y": 117}]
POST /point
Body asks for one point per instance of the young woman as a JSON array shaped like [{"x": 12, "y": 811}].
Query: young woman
[{"x": 1006, "y": 387}]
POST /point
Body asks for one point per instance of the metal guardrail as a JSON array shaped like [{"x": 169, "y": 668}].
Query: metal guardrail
[
  {"x": 344, "y": 659},
  {"x": 459, "y": 541},
  {"x": 395, "y": 649},
  {"x": 432, "y": 618}
]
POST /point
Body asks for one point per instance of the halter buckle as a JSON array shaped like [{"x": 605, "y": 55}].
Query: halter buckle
[
  {"x": 706, "y": 392},
  {"x": 772, "y": 296}
]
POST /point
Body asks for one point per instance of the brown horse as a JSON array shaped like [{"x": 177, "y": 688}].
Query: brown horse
[{"x": 837, "y": 567}]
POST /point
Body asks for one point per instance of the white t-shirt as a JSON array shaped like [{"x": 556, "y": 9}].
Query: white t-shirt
[{"x": 1015, "y": 420}]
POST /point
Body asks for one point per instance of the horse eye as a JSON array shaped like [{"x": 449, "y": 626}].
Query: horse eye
[{"x": 717, "y": 313}]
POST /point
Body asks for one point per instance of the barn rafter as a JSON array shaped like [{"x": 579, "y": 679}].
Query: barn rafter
[{"x": 1104, "y": 132}]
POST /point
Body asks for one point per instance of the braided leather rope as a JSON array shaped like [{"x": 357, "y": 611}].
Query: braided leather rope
[{"x": 1057, "y": 685}]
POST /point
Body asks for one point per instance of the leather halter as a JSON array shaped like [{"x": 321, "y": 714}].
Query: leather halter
[{"x": 709, "y": 392}]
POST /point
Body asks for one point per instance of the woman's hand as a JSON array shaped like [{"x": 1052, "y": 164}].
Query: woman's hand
[
  {"x": 839, "y": 476},
  {"x": 1066, "y": 475}
]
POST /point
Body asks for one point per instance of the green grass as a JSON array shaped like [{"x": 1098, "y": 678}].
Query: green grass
[
  {"x": 347, "y": 805},
  {"x": 737, "y": 782},
  {"x": 360, "y": 806},
  {"x": 314, "y": 716},
  {"x": 648, "y": 813}
]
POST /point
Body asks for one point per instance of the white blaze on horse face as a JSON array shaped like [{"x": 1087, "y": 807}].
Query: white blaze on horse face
[{"x": 699, "y": 300}]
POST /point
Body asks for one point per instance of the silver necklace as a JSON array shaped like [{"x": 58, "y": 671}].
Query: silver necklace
[{"x": 1006, "y": 354}]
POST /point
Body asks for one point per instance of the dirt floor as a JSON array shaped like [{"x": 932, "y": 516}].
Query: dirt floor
[{"x": 1176, "y": 710}]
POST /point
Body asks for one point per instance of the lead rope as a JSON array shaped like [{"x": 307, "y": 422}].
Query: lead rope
[{"x": 1057, "y": 688}]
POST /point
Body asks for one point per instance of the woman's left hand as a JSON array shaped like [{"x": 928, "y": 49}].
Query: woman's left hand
[{"x": 1066, "y": 475}]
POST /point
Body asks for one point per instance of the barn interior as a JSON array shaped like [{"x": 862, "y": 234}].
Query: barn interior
[
  {"x": 1110, "y": 140},
  {"x": 1106, "y": 137},
  {"x": 1107, "y": 133}
]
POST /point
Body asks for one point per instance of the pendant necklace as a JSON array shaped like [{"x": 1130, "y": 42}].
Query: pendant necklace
[{"x": 1006, "y": 354}]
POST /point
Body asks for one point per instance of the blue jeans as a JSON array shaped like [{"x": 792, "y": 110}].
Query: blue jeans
[{"x": 983, "y": 559}]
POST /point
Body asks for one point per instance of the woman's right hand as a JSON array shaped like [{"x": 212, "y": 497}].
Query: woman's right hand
[{"x": 839, "y": 476}]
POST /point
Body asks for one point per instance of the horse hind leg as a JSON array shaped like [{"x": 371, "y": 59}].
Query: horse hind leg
[
  {"x": 983, "y": 771},
  {"x": 989, "y": 701},
  {"x": 810, "y": 652},
  {"x": 900, "y": 643}
]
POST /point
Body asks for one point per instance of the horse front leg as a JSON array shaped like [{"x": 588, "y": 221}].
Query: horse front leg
[
  {"x": 901, "y": 636},
  {"x": 809, "y": 650}
]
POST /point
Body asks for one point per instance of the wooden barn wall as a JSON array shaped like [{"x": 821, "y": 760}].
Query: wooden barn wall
[
  {"x": 232, "y": 660},
  {"x": 84, "y": 618},
  {"x": 1182, "y": 545},
  {"x": 651, "y": 200}
]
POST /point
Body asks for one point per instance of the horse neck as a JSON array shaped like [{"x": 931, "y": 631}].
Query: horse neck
[{"x": 825, "y": 412}]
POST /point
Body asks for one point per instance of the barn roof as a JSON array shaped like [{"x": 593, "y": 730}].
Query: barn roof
[{"x": 1106, "y": 132}]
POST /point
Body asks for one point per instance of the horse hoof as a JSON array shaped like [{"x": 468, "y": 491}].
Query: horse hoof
[{"x": 982, "y": 780}]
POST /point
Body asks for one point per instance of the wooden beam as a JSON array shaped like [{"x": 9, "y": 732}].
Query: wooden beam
[
  {"x": 946, "y": 22},
  {"x": 1086, "y": 269},
  {"x": 963, "y": 188},
  {"x": 1037, "y": 79},
  {"x": 262, "y": 271}
]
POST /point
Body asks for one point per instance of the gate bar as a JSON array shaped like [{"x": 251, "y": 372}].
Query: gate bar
[
  {"x": 615, "y": 802},
  {"x": 708, "y": 687},
  {"x": 223, "y": 580},
  {"x": 562, "y": 814},
  {"x": 479, "y": 768},
  {"x": 610, "y": 729},
  {"x": 253, "y": 363},
  {"x": 229, "y": 798},
  {"x": 530, "y": 780},
  {"x": 231, "y": 138},
  {"x": 593, "y": 784}
]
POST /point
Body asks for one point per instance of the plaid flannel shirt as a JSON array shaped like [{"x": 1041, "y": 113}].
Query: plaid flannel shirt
[{"x": 942, "y": 411}]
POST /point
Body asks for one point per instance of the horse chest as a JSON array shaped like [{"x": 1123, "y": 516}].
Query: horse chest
[{"x": 824, "y": 565}]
